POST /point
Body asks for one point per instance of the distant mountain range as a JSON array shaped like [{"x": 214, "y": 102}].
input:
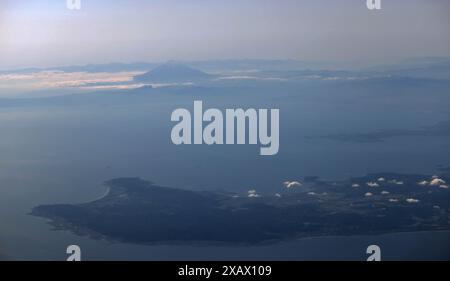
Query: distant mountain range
[
  {"x": 434, "y": 68},
  {"x": 206, "y": 65},
  {"x": 173, "y": 72},
  {"x": 109, "y": 67}
]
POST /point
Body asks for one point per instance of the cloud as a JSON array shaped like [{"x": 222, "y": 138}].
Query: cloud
[
  {"x": 247, "y": 77},
  {"x": 61, "y": 79},
  {"x": 292, "y": 184},
  {"x": 277, "y": 195},
  {"x": 393, "y": 200},
  {"x": 381, "y": 179},
  {"x": 133, "y": 86},
  {"x": 77, "y": 80},
  {"x": 372, "y": 184},
  {"x": 394, "y": 181},
  {"x": 368, "y": 194},
  {"x": 355, "y": 185},
  {"x": 312, "y": 193},
  {"x": 252, "y": 193},
  {"x": 412, "y": 200},
  {"x": 436, "y": 182},
  {"x": 384, "y": 192},
  {"x": 114, "y": 87}
]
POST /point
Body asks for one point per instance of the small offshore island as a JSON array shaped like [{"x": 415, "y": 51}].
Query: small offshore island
[{"x": 138, "y": 211}]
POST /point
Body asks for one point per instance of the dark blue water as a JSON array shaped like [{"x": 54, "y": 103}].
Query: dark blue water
[{"x": 61, "y": 152}]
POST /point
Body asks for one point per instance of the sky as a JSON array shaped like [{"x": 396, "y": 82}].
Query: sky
[{"x": 45, "y": 33}]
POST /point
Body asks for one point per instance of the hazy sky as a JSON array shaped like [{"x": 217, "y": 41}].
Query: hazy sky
[{"x": 45, "y": 33}]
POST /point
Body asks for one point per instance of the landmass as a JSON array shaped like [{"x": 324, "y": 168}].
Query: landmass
[
  {"x": 138, "y": 211},
  {"x": 441, "y": 129}
]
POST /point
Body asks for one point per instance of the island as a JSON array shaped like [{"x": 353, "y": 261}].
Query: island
[{"x": 138, "y": 211}]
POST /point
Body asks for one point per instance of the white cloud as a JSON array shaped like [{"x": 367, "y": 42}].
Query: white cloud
[
  {"x": 372, "y": 184},
  {"x": 355, "y": 185},
  {"x": 423, "y": 183},
  {"x": 61, "y": 79},
  {"x": 247, "y": 77},
  {"x": 368, "y": 194},
  {"x": 437, "y": 182},
  {"x": 381, "y": 179},
  {"x": 77, "y": 80},
  {"x": 292, "y": 184},
  {"x": 133, "y": 86},
  {"x": 114, "y": 87},
  {"x": 384, "y": 192},
  {"x": 252, "y": 193},
  {"x": 394, "y": 181},
  {"x": 444, "y": 186},
  {"x": 277, "y": 195},
  {"x": 412, "y": 200},
  {"x": 393, "y": 200},
  {"x": 312, "y": 193}
]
